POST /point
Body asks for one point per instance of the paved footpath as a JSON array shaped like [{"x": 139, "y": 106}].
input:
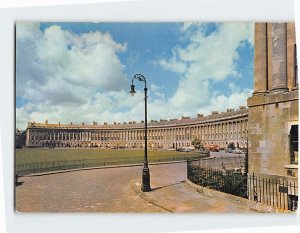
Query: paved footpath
[{"x": 113, "y": 190}]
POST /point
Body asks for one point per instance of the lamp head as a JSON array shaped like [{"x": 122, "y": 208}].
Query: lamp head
[{"x": 132, "y": 91}]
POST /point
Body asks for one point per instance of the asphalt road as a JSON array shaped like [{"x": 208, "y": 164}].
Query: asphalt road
[{"x": 111, "y": 190}]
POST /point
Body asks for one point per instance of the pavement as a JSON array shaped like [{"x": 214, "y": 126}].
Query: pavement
[{"x": 117, "y": 190}]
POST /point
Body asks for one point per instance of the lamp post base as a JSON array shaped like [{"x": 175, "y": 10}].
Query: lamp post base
[{"x": 146, "y": 180}]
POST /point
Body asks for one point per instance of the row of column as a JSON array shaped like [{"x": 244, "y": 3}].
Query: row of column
[
  {"x": 218, "y": 131},
  {"x": 275, "y": 58}
]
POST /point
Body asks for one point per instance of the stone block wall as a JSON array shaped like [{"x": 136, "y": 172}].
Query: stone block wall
[
  {"x": 273, "y": 108},
  {"x": 270, "y": 120}
]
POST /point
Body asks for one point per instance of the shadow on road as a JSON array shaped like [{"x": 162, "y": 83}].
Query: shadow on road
[{"x": 157, "y": 188}]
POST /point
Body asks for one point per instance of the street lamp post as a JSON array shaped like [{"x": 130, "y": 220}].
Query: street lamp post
[{"x": 146, "y": 172}]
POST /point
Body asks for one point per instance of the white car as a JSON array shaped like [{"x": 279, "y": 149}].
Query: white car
[
  {"x": 171, "y": 149},
  {"x": 185, "y": 150},
  {"x": 237, "y": 151}
]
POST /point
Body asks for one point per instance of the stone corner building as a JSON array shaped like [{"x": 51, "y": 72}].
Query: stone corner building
[{"x": 273, "y": 108}]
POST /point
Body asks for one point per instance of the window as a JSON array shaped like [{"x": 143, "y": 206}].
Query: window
[{"x": 294, "y": 144}]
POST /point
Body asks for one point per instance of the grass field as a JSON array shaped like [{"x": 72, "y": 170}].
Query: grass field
[{"x": 38, "y": 160}]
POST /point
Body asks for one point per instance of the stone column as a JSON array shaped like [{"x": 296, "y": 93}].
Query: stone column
[
  {"x": 260, "y": 59},
  {"x": 279, "y": 58}
]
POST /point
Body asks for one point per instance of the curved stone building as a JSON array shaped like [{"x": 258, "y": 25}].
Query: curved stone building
[{"x": 217, "y": 128}]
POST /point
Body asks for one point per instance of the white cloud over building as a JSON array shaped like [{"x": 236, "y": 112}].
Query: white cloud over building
[{"x": 65, "y": 76}]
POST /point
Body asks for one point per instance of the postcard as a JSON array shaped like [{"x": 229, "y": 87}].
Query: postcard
[{"x": 156, "y": 117}]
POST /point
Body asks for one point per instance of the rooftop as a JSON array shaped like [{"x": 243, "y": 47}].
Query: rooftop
[{"x": 215, "y": 116}]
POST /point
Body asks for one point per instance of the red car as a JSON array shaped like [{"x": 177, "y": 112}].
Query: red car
[{"x": 214, "y": 148}]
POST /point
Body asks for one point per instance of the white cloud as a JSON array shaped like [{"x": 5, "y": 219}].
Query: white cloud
[
  {"x": 58, "y": 70},
  {"x": 57, "y": 55},
  {"x": 234, "y": 100},
  {"x": 207, "y": 60},
  {"x": 173, "y": 65},
  {"x": 73, "y": 78},
  {"x": 233, "y": 87},
  {"x": 157, "y": 91}
]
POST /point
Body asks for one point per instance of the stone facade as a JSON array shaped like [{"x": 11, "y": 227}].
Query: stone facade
[
  {"x": 217, "y": 128},
  {"x": 273, "y": 108}
]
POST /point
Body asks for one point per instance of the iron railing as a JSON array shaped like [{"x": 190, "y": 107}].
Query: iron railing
[
  {"x": 277, "y": 192},
  {"x": 227, "y": 181},
  {"x": 47, "y": 166}
]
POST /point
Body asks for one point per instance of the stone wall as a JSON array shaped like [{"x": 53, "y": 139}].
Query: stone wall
[{"x": 273, "y": 108}]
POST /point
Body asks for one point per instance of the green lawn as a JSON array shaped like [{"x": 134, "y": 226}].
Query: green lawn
[{"x": 38, "y": 160}]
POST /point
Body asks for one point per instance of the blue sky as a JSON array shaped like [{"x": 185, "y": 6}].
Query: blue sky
[{"x": 81, "y": 72}]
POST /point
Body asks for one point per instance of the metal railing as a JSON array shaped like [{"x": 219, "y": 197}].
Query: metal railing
[
  {"x": 272, "y": 191},
  {"x": 229, "y": 181},
  {"x": 47, "y": 166},
  {"x": 279, "y": 193}
]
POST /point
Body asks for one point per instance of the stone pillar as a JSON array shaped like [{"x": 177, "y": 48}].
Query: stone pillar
[
  {"x": 279, "y": 58},
  {"x": 291, "y": 56},
  {"x": 260, "y": 59},
  {"x": 28, "y": 137}
]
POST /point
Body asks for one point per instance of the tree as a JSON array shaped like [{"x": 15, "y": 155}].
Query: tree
[
  {"x": 20, "y": 138},
  {"x": 197, "y": 143}
]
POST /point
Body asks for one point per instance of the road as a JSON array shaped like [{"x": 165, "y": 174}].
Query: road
[{"x": 111, "y": 190}]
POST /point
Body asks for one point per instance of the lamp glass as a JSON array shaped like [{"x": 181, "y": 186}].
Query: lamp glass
[{"x": 132, "y": 91}]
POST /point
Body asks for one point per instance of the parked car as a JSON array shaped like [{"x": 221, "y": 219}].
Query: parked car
[
  {"x": 171, "y": 149},
  {"x": 237, "y": 151},
  {"x": 185, "y": 150},
  {"x": 214, "y": 148}
]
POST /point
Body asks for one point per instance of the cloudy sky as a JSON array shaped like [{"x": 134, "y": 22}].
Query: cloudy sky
[{"x": 81, "y": 72}]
